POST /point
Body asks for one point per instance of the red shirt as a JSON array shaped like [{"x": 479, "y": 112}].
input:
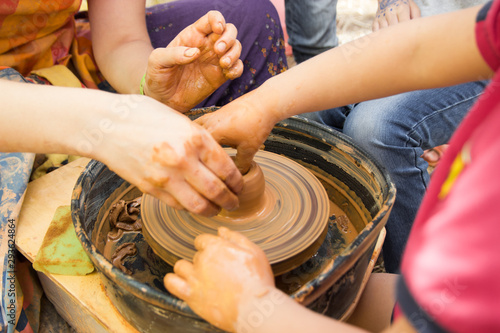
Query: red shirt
[{"x": 451, "y": 266}]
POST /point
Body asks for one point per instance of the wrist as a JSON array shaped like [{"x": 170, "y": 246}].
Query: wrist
[
  {"x": 269, "y": 101},
  {"x": 256, "y": 310}
]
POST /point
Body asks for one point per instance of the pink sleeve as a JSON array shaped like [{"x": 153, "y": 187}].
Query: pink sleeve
[{"x": 488, "y": 33}]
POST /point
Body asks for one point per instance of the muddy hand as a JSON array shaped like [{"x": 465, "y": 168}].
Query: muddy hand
[
  {"x": 167, "y": 155},
  {"x": 227, "y": 271},
  {"x": 196, "y": 62},
  {"x": 241, "y": 125}
]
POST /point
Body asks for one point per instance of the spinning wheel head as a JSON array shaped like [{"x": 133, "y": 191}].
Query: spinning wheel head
[{"x": 289, "y": 223}]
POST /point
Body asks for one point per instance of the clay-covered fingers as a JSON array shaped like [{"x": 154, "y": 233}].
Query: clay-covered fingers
[
  {"x": 213, "y": 21},
  {"x": 239, "y": 239},
  {"x": 230, "y": 61},
  {"x": 203, "y": 241},
  {"x": 211, "y": 187},
  {"x": 186, "y": 196},
  {"x": 178, "y": 283},
  {"x": 222, "y": 165},
  {"x": 177, "y": 286},
  {"x": 244, "y": 156},
  {"x": 222, "y": 130},
  {"x": 171, "y": 56},
  {"x": 184, "y": 269}
]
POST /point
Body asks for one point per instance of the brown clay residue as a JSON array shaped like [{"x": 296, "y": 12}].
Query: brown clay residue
[
  {"x": 252, "y": 199},
  {"x": 123, "y": 217},
  {"x": 122, "y": 252},
  {"x": 77, "y": 191},
  {"x": 59, "y": 226}
]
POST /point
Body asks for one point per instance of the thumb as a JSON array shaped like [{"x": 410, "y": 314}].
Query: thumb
[
  {"x": 172, "y": 56},
  {"x": 244, "y": 157}
]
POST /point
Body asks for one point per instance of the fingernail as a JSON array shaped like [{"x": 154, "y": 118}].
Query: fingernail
[
  {"x": 226, "y": 61},
  {"x": 221, "y": 47},
  {"x": 190, "y": 52}
]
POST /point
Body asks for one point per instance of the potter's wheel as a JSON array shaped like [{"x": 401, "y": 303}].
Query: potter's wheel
[{"x": 289, "y": 230}]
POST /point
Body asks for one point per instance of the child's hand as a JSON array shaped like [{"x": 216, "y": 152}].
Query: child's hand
[
  {"x": 242, "y": 125},
  {"x": 197, "y": 62},
  {"x": 228, "y": 271}
]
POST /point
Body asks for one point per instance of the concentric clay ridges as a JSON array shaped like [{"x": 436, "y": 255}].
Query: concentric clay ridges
[{"x": 293, "y": 216}]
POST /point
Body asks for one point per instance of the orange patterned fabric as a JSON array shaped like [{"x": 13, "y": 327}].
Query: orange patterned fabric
[{"x": 36, "y": 33}]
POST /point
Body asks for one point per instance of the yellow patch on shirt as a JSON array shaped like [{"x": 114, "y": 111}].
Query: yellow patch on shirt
[{"x": 456, "y": 168}]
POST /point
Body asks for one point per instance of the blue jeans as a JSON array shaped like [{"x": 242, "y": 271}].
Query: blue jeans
[
  {"x": 395, "y": 131},
  {"x": 311, "y": 27}
]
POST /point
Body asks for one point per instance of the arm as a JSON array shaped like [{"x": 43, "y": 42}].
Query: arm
[
  {"x": 148, "y": 144},
  {"x": 124, "y": 53},
  {"x": 418, "y": 54},
  {"x": 390, "y": 12},
  {"x": 231, "y": 285}
]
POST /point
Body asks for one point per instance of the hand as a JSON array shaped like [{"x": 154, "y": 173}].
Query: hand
[
  {"x": 390, "y": 12},
  {"x": 228, "y": 271},
  {"x": 433, "y": 156},
  {"x": 165, "y": 154},
  {"x": 242, "y": 125},
  {"x": 197, "y": 62}
]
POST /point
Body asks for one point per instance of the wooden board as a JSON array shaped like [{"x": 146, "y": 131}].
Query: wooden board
[{"x": 80, "y": 300}]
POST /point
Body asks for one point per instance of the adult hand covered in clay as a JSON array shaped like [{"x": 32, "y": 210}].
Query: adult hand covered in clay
[
  {"x": 390, "y": 12},
  {"x": 167, "y": 155},
  {"x": 197, "y": 62},
  {"x": 228, "y": 271},
  {"x": 241, "y": 124}
]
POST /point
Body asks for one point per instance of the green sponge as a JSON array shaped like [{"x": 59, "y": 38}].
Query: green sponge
[{"x": 61, "y": 251}]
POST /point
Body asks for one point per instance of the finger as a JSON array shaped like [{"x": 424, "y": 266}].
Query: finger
[
  {"x": 184, "y": 269},
  {"x": 203, "y": 241},
  {"x": 238, "y": 239},
  {"x": 235, "y": 71},
  {"x": 375, "y": 26},
  {"x": 210, "y": 186},
  {"x": 172, "y": 56},
  {"x": 222, "y": 165},
  {"x": 189, "y": 198},
  {"x": 177, "y": 286},
  {"x": 244, "y": 157},
  {"x": 166, "y": 198},
  {"x": 213, "y": 21},
  {"x": 227, "y": 40},
  {"x": 231, "y": 56}
]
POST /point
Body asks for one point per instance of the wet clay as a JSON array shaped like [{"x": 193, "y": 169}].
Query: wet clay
[
  {"x": 253, "y": 199},
  {"x": 122, "y": 252},
  {"x": 296, "y": 216},
  {"x": 123, "y": 217}
]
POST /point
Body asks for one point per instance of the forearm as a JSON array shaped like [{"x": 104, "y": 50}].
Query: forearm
[
  {"x": 120, "y": 42},
  {"x": 124, "y": 66},
  {"x": 45, "y": 119},
  {"x": 425, "y": 53},
  {"x": 277, "y": 312}
]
